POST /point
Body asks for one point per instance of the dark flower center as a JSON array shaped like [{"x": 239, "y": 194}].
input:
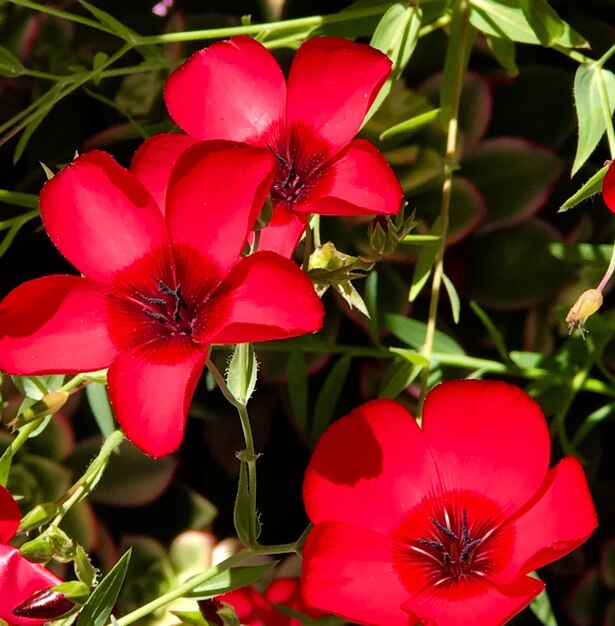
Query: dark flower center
[
  {"x": 451, "y": 549},
  {"x": 168, "y": 307},
  {"x": 297, "y": 169}
]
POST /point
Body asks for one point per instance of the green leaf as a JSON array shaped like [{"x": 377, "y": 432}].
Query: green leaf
[
  {"x": 427, "y": 257},
  {"x": 504, "y": 52},
  {"x": 98, "y": 399},
  {"x": 328, "y": 397},
  {"x": 412, "y": 332},
  {"x": 298, "y": 387},
  {"x": 241, "y": 372},
  {"x": 491, "y": 328},
  {"x": 399, "y": 375},
  {"x": 544, "y": 21},
  {"x": 231, "y": 579},
  {"x": 589, "y": 80},
  {"x": 10, "y": 65},
  {"x": 541, "y": 607},
  {"x": 588, "y": 189},
  {"x": 97, "y": 609},
  {"x": 412, "y": 125},
  {"x": 246, "y": 522},
  {"x": 453, "y": 297},
  {"x": 508, "y": 20},
  {"x": 396, "y": 35},
  {"x": 192, "y": 618},
  {"x": 582, "y": 253}
]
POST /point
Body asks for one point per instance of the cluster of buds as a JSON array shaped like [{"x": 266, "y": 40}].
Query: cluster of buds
[{"x": 385, "y": 233}]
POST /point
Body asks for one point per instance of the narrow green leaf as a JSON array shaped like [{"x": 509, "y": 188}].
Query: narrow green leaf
[
  {"x": 588, "y": 189},
  {"x": 98, "y": 399},
  {"x": 241, "y": 372},
  {"x": 396, "y": 35},
  {"x": 591, "y": 421},
  {"x": 544, "y": 21},
  {"x": 113, "y": 24},
  {"x": 490, "y": 327},
  {"x": 192, "y": 618},
  {"x": 5, "y": 466},
  {"x": 505, "y": 53},
  {"x": 10, "y": 65},
  {"x": 588, "y": 81},
  {"x": 541, "y": 607},
  {"x": 427, "y": 257},
  {"x": 412, "y": 356},
  {"x": 298, "y": 387},
  {"x": 526, "y": 360},
  {"x": 412, "y": 125},
  {"x": 97, "y": 609},
  {"x": 246, "y": 524},
  {"x": 371, "y": 302},
  {"x": 399, "y": 375},
  {"x": 412, "y": 333},
  {"x": 26, "y": 200},
  {"x": 582, "y": 253},
  {"x": 453, "y": 296},
  {"x": 328, "y": 397},
  {"x": 231, "y": 579}
]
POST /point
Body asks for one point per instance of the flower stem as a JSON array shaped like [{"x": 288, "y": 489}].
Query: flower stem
[
  {"x": 609, "y": 271},
  {"x": 454, "y": 71}
]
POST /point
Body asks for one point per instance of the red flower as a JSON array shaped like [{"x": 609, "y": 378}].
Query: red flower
[
  {"x": 259, "y": 609},
  {"x": 439, "y": 525},
  {"x": 608, "y": 187},
  {"x": 155, "y": 292},
  {"x": 19, "y": 578},
  {"x": 236, "y": 90}
]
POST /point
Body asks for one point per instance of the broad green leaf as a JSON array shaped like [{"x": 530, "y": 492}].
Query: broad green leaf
[
  {"x": 453, "y": 297},
  {"x": 97, "y": 609},
  {"x": 506, "y": 19},
  {"x": 504, "y": 51},
  {"x": 10, "y": 65},
  {"x": 396, "y": 35},
  {"x": 98, "y": 399},
  {"x": 328, "y": 397},
  {"x": 412, "y": 332},
  {"x": 587, "y": 190},
  {"x": 592, "y": 83},
  {"x": 231, "y": 579},
  {"x": 298, "y": 387},
  {"x": 241, "y": 373}
]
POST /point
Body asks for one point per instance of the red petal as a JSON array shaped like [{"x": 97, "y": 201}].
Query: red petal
[
  {"x": 488, "y": 437},
  {"x": 244, "y": 601},
  {"x": 154, "y": 160},
  {"x": 369, "y": 468},
  {"x": 283, "y": 232},
  {"x": 349, "y": 571},
  {"x": 150, "y": 389},
  {"x": 559, "y": 519},
  {"x": 216, "y": 192},
  {"x": 358, "y": 182},
  {"x": 608, "y": 188},
  {"x": 19, "y": 579},
  {"x": 10, "y": 515},
  {"x": 55, "y": 324},
  {"x": 264, "y": 297},
  {"x": 493, "y": 606},
  {"x": 331, "y": 85},
  {"x": 100, "y": 217},
  {"x": 231, "y": 90}
]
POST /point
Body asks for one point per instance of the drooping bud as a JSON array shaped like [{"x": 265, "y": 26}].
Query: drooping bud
[
  {"x": 587, "y": 304},
  {"x": 44, "y": 604},
  {"x": 209, "y": 610},
  {"x": 49, "y": 404}
]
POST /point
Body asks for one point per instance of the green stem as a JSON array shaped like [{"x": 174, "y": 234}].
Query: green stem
[
  {"x": 215, "y": 372},
  {"x": 609, "y": 271},
  {"x": 606, "y": 56},
  {"x": 182, "y": 590},
  {"x": 23, "y": 434},
  {"x": 83, "y": 487},
  {"x": 454, "y": 72},
  {"x": 254, "y": 29}
]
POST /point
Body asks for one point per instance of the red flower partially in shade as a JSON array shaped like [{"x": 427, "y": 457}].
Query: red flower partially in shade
[
  {"x": 19, "y": 578},
  {"x": 156, "y": 291},
  {"x": 608, "y": 187},
  {"x": 235, "y": 90},
  {"x": 259, "y": 609},
  {"x": 439, "y": 525}
]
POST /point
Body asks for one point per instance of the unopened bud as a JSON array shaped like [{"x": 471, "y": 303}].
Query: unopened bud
[
  {"x": 44, "y": 604},
  {"x": 50, "y": 403},
  {"x": 209, "y": 610},
  {"x": 587, "y": 304}
]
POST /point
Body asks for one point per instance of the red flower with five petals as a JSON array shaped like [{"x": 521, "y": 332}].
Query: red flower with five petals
[
  {"x": 19, "y": 578},
  {"x": 439, "y": 525},
  {"x": 157, "y": 289},
  {"x": 235, "y": 90}
]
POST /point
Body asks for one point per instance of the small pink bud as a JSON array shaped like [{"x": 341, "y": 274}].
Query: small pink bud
[
  {"x": 44, "y": 604},
  {"x": 587, "y": 304}
]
